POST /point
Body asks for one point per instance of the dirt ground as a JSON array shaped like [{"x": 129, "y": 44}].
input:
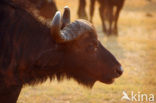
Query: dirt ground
[{"x": 135, "y": 48}]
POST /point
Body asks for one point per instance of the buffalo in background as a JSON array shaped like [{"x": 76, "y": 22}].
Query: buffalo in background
[
  {"x": 46, "y": 8},
  {"x": 32, "y": 51},
  {"x": 108, "y": 10},
  {"x": 81, "y": 9}
]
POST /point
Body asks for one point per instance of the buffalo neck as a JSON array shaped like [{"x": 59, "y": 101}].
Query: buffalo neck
[{"x": 27, "y": 50}]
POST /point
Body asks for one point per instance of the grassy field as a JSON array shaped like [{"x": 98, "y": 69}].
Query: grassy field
[{"x": 135, "y": 48}]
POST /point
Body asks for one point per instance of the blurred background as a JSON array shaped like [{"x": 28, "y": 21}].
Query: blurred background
[{"x": 134, "y": 47}]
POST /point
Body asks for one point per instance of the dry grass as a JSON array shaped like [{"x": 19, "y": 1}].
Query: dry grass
[{"x": 135, "y": 48}]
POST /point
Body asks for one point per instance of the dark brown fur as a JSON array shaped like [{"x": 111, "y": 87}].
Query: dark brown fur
[
  {"x": 106, "y": 11},
  {"x": 81, "y": 9},
  {"x": 29, "y": 53},
  {"x": 108, "y": 6},
  {"x": 46, "y": 8}
]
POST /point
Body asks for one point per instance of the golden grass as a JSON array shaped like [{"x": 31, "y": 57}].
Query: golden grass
[{"x": 135, "y": 48}]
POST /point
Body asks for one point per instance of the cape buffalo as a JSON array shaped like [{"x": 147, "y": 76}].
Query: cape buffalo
[
  {"x": 106, "y": 11},
  {"x": 107, "y": 8},
  {"x": 31, "y": 52},
  {"x": 47, "y": 8},
  {"x": 81, "y": 9}
]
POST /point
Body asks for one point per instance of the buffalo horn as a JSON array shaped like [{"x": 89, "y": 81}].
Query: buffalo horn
[
  {"x": 69, "y": 32},
  {"x": 66, "y": 17}
]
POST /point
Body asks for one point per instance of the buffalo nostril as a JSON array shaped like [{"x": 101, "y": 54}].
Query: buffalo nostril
[{"x": 119, "y": 70}]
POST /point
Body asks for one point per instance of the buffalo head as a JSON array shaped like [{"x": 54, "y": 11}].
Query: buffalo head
[{"x": 84, "y": 58}]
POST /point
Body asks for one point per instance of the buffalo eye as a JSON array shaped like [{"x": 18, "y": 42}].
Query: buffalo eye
[{"x": 93, "y": 46}]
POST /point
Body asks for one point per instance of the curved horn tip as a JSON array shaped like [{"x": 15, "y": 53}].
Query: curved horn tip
[
  {"x": 67, "y": 10},
  {"x": 66, "y": 7},
  {"x": 56, "y": 18}
]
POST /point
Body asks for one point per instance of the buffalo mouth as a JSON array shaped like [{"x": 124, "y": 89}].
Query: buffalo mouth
[
  {"x": 107, "y": 81},
  {"x": 110, "y": 80}
]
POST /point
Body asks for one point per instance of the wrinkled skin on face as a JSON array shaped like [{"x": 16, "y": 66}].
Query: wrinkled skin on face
[{"x": 88, "y": 57}]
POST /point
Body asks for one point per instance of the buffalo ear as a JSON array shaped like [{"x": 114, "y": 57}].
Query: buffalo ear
[{"x": 66, "y": 17}]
